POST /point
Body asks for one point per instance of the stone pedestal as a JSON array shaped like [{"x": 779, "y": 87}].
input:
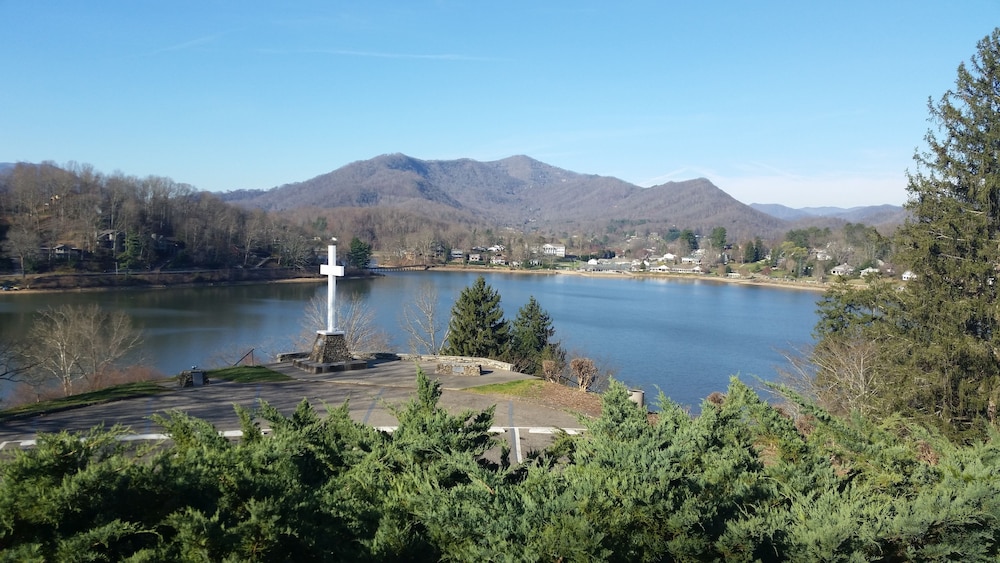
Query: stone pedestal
[{"x": 330, "y": 347}]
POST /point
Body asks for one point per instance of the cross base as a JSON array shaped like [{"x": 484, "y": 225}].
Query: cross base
[{"x": 329, "y": 347}]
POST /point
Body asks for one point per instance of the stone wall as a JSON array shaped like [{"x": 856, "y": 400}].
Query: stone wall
[{"x": 493, "y": 364}]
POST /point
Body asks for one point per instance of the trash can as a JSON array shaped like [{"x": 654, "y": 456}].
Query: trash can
[{"x": 638, "y": 396}]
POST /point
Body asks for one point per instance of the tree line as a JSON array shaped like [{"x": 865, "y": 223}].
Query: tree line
[{"x": 55, "y": 217}]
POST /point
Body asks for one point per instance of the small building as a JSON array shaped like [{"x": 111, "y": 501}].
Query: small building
[
  {"x": 842, "y": 270},
  {"x": 909, "y": 276}
]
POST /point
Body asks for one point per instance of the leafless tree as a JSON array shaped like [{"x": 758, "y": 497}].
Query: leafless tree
[
  {"x": 584, "y": 371},
  {"x": 22, "y": 242},
  {"x": 70, "y": 343},
  {"x": 421, "y": 322},
  {"x": 13, "y": 364},
  {"x": 354, "y": 317},
  {"x": 840, "y": 375}
]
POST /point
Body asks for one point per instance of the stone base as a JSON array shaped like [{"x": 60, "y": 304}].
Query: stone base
[
  {"x": 330, "y": 347},
  {"x": 328, "y": 367},
  {"x": 458, "y": 369}
]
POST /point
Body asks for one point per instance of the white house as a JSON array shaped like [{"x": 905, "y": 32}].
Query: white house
[
  {"x": 842, "y": 270},
  {"x": 557, "y": 250},
  {"x": 909, "y": 275}
]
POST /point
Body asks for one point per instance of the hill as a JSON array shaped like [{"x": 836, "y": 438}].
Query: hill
[
  {"x": 518, "y": 192},
  {"x": 886, "y": 217}
]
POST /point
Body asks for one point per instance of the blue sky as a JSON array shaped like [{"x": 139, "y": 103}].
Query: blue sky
[{"x": 801, "y": 103}]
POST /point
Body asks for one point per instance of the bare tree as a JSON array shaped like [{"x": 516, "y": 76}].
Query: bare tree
[
  {"x": 74, "y": 343},
  {"x": 22, "y": 243},
  {"x": 421, "y": 322},
  {"x": 13, "y": 364},
  {"x": 839, "y": 374},
  {"x": 354, "y": 317},
  {"x": 584, "y": 371}
]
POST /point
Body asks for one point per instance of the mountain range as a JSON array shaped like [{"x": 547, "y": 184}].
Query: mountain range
[{"x": 528, "y": 195}]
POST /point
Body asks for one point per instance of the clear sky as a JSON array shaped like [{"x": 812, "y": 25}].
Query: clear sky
[{"x": 795, "y": 102}]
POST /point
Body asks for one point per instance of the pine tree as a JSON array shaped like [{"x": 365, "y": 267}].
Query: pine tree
[
  {"x": 477, "y": 327},
  {"x": 530, "y": 336},
  {"x": 953, "y": 244},
  {"x": 940, "y": 357},
  {"x": 360, "y": 253}
]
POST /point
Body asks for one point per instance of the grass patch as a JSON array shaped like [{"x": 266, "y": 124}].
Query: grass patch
[
  {"x": 106, "y": 395},
  {"x": 520, "y": 388},
  {"x": 246, "y": 374}
]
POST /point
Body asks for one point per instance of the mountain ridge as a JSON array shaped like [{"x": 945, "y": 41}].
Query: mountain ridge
[{"x": 518, "y": 192}]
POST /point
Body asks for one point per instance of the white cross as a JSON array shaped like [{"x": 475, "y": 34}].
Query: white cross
[{"x": 332, "y": 271}]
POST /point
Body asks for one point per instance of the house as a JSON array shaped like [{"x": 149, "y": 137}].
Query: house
[
  {"x": 868, "y": 271},
  {"x": 110, "y": 238},
  {"x": 557, "y": 250},
  {"x": 821, "y": 254},
  {"x": 496, "y": 248},
  {"x": 475, "y": 257},
  {"x": 63, "y": 251},
  {"x": 498, "y": 260},
  {"x": 457, "y": 254},
  {"x": 909, "y": 276},
  {"x": 842, "y": 270}
]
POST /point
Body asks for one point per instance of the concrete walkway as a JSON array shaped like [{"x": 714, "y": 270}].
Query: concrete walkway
[{"x": 369, "y": 394}]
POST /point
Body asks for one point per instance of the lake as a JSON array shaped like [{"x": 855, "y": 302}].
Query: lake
[{"x": 686, "y": 337}]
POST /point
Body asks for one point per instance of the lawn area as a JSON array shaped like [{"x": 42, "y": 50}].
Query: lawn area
[
  {"x": 522, "y": 388},
  {"x": 246, "y": 374}
]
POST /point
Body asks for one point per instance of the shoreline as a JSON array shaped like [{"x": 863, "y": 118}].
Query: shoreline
[
  {"x": 809, "y": 285},
  {"x": 63, "y": 283}
]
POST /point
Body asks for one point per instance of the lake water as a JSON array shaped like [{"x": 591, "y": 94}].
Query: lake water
[{"x": 686, "y": 337}]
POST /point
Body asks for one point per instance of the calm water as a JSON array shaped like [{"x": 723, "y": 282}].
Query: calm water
[{"x": 686, "y": 337}]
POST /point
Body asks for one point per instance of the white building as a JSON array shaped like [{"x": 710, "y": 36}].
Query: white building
[{"x": 557, "y": 250}]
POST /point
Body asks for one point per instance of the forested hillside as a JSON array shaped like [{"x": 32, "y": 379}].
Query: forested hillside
[{"x": 76, "y": 218}]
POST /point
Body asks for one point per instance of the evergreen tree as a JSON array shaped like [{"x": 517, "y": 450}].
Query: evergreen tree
[
  {"x": 940, "y": 358},
  {"x": 477, "y": 327},
  {"x": 718, "y": 238},
  {"x": 360, "y": 254},
  {"x": 530, "y": 336}
]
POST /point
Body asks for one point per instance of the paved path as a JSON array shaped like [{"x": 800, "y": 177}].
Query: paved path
[{"x": 368, "y": 392}]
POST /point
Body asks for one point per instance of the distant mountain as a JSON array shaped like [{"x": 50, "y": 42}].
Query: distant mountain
[
  {"x": 870, "y": 215},
  {"x": 6, "y": 167},
  {"x": 518, "y": 192}
]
